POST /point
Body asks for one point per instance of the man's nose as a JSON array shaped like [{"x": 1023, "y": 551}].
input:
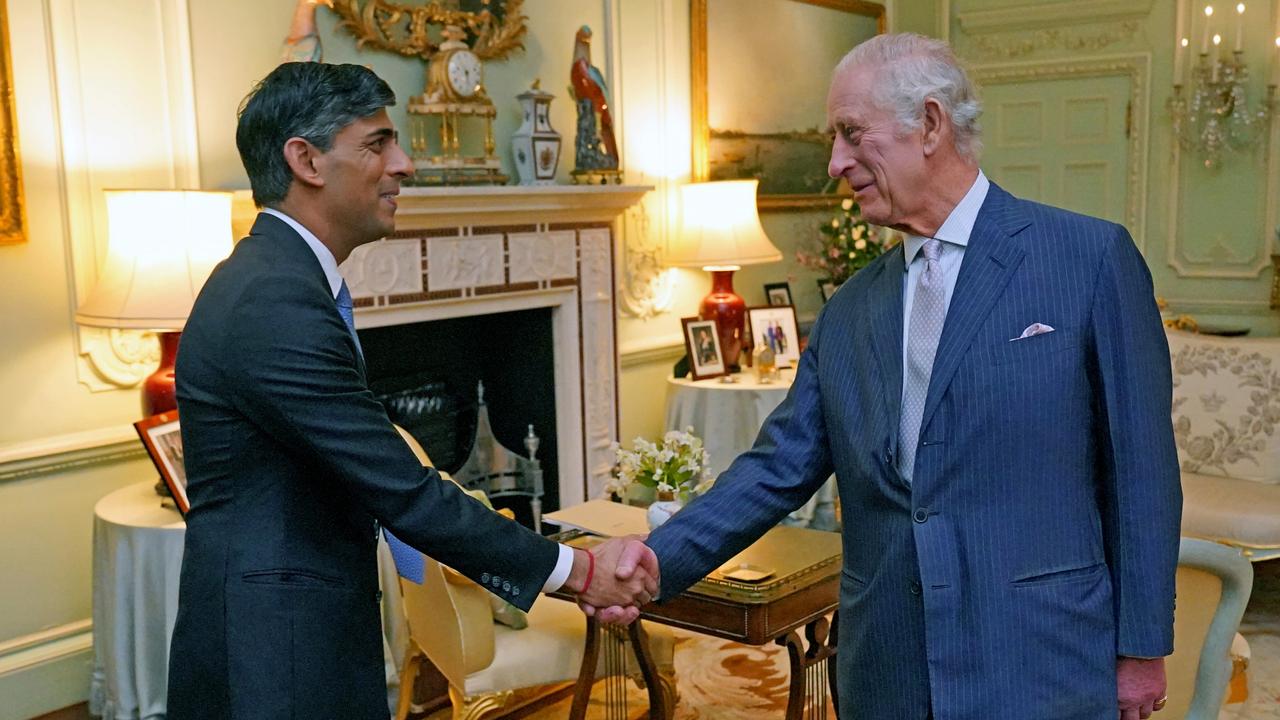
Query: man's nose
[
  {"x": 841, "y": 159},
  {"x": 401, "y": 165}
]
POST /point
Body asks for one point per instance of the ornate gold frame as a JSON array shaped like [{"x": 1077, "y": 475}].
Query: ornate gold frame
[
  {"x": 13, "y": 227},
  {"x": 402, "y": 28},
  {"x": 701, "y": 126}
]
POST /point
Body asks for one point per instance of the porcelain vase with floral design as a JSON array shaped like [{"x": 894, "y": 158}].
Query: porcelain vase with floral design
[
  {"x": 662, "y": 509},
  {"x": 535, "y": 145}
]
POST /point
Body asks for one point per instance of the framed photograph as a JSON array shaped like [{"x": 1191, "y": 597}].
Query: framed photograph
[
  {"x": 163, "y": 439},
  {"x": 827, "y": 288},
  {"x": 13, "y": 223},
  {"x": 702, "y": 341},
  {"x": 773, "y": 131},
  {"x": 776, "y": 327},
  {"x": 778, "y": 293}
]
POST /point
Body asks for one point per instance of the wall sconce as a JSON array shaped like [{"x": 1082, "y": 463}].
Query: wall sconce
[{"x": 1214, "y": 116}]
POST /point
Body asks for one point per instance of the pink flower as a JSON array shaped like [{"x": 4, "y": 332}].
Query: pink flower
[{"x": 834, "y": 252}]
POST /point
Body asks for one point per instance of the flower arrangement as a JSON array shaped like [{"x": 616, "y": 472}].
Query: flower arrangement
[
  {"x": 678, "y": 465},
  {"x": 846, "y": 244}
]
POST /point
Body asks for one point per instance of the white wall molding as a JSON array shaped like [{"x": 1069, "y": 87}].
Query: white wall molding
[
  {"x": 67, "y": 452},
  {"x": 113, "y": 360},
  {"x": 57, "y": 643},
  {"x": 651, "y": 350},
  {"x": 1135, "y": 66},
  {"x": 1053, "y": 15}
]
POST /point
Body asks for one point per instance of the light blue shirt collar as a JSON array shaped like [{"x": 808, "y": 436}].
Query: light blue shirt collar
[
  {"x": 958, "y": 226},
  {"x": 327, "y": 262}
]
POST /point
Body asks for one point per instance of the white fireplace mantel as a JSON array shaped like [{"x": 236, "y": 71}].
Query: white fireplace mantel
[{"x": 467, "y": 251}]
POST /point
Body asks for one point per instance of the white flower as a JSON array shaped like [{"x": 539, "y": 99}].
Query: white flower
[
  {"x": 663, "y": 487},
  {"x": 847, "y": 204},
  {"x": 858, "y": 232},
  {"x": 861, "y": 245},
  {"x": 835, "y": 223}
]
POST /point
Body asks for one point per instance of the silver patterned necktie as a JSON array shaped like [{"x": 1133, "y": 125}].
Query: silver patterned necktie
[
  {"x": 928, "y": 311},
  {"x": 346, "y": 309}
]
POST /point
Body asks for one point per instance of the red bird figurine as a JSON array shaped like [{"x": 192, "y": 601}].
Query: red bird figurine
[{"x": 588, "y": 84}]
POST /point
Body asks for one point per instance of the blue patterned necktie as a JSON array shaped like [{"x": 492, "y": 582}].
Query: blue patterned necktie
[
  {"x": 928, "y": 311},
  {"x": 409, "y": 562},
  {"x": 347, "y": 310}
]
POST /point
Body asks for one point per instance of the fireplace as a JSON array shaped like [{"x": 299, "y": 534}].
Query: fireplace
[{"x": 472, "y": 252}]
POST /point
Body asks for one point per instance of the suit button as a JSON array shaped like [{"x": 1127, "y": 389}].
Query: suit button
[
  {"x": 496, "y": 581},
  {"x": 484, "y": 578},
  {"x": 377, "y": 597},
  {"x": 921, "y": 515},
  {"x": 515, "y": 591},
  {"x": 506, "y": 587},
  {"x": 915, "y": 588},
  {"x": 888, "y": 457}
]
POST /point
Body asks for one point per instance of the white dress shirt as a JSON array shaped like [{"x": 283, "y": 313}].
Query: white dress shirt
[
  {"x": 954, "y": 235},
  {"x": 564, "y": 564}
]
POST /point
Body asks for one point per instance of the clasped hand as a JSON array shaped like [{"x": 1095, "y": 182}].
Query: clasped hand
[{"x": 624, "y": 577}]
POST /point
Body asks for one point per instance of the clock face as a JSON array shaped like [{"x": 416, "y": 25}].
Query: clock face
[{"x": 465, "y": 72}]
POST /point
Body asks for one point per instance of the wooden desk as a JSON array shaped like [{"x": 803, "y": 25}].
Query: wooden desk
[{"x": 804, "y": 589}]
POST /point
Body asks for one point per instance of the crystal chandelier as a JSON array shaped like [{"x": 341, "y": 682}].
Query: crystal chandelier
[{"x": 1215, "y": 115}]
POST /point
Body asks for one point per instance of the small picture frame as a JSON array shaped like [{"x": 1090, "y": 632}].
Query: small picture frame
[
  {"x": 777, "y": 294},
  {"x": 163, "y": 440},
  {"x": 827, "y": 288},
  {"x": 776, "y": 327},
  {"x": 702, "y": 342}
]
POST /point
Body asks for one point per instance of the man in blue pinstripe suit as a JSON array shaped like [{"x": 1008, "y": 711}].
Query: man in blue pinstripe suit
[{"x": 993, "y": 396}]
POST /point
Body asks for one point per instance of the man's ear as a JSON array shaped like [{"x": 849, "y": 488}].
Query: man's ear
[
  {"x": 302, "y": 158},
  {"x": 935, "y": 126}
]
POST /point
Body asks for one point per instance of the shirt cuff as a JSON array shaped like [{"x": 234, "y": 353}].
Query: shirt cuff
[{"x": 564, "y": 564}]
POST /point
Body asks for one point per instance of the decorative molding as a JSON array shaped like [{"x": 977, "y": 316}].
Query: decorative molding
[
  {"x": 470, "y": 261},
  {"x": 661, "y": 350},
  {"x": 68, "y": 452},
  {"x": 1054, "y": 15},
  {"x": 1021, "y": 44},
  {"x": 599, "y": 356},
  {"x": 386, "y": 267},
  {"x": 45, "y": 646},
  {"x": 1137, "y": 68},
  {"x": 541, "y": 257},
  {"x": 648, "y": 287},
  {"x": 109, "y": 360},
  {"x": 1202, "y": 306}
]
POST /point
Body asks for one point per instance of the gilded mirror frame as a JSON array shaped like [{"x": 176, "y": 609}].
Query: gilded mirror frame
[
  {"x": 12, "y": 213},
  {"x": 700, "y": 97}
]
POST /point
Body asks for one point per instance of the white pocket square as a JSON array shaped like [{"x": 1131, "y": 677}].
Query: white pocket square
[{"x": 1033, "y": 329}]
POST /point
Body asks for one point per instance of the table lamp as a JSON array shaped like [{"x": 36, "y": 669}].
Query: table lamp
[
  {"x": 161, "y": 247},
  {"x": 720, "y": 232}
]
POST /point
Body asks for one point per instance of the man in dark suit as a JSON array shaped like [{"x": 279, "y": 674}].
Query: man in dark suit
[
  {"x": 993, "y": 396},
  {"x": 291, "y": 462}
]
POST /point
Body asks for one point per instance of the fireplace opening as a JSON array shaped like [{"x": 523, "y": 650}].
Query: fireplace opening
[{"x": 426, "y": 374}]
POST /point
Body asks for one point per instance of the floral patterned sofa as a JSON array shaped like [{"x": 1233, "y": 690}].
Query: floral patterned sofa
[{"x": 1226, "y": 421}]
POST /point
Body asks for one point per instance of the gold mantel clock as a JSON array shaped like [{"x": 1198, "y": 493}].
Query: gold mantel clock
[
  {"x": 454, "y": 105},
  {"x": 451, "y": 122}
]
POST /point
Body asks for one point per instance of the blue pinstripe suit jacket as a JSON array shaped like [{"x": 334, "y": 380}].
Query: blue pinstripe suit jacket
[{"x": 1039, "y": 538}]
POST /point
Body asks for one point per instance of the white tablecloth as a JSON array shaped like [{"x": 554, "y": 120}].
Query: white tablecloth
[
  {"x": 728, "y": 416},
  {"x": 137, "y": 558}
]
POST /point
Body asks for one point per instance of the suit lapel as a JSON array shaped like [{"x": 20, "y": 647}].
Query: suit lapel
[
  {"x": 887, "y": 331},
  {"x": 990, "y": 260}
]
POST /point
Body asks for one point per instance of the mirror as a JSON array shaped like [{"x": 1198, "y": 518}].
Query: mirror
[{"x": 760, "y": 70}]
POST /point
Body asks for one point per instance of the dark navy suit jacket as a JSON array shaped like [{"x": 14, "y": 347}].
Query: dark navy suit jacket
[
  {"x": 1039, "y": 538},
  {"x": 290, "y": 460}
]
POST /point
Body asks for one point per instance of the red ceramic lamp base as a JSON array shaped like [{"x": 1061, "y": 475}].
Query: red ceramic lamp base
[
  {"x": 158, "y": 392},
  {"x": 729, "y": 311}
]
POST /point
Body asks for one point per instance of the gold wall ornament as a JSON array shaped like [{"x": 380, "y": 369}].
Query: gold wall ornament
[
  {"x": 13, "y": 228},
  {"x": 403, "y": 28}
]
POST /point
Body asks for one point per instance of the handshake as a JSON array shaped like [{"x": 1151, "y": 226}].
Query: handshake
[{"x": 613, "y": 579}]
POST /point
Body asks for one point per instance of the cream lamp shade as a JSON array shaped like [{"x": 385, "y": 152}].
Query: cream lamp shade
[
  {"x": 720, "y": 228},
  {"x": 161, "y": 247}
]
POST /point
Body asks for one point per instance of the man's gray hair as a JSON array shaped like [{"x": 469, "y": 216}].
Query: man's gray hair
[{"x": 910, "y": 68}]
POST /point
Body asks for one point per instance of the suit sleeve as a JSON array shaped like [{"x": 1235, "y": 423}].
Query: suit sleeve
[
  {"x": 293, "y": 366},
  {"x": 1141, "y": 487},
  {"x": 788, "y": 463}
]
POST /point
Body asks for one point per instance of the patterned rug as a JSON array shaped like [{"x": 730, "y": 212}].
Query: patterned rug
[{"x": 721, "y": 680}]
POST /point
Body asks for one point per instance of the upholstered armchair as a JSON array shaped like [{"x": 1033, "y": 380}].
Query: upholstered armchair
[
  {"x": 1226, "y": 421},
  {"x": 493, "y": 669},
  {"x": 1213, "y": 586}
]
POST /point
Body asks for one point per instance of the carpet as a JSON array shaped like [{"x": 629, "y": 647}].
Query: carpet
[{"x": 1261, "y": 627}]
